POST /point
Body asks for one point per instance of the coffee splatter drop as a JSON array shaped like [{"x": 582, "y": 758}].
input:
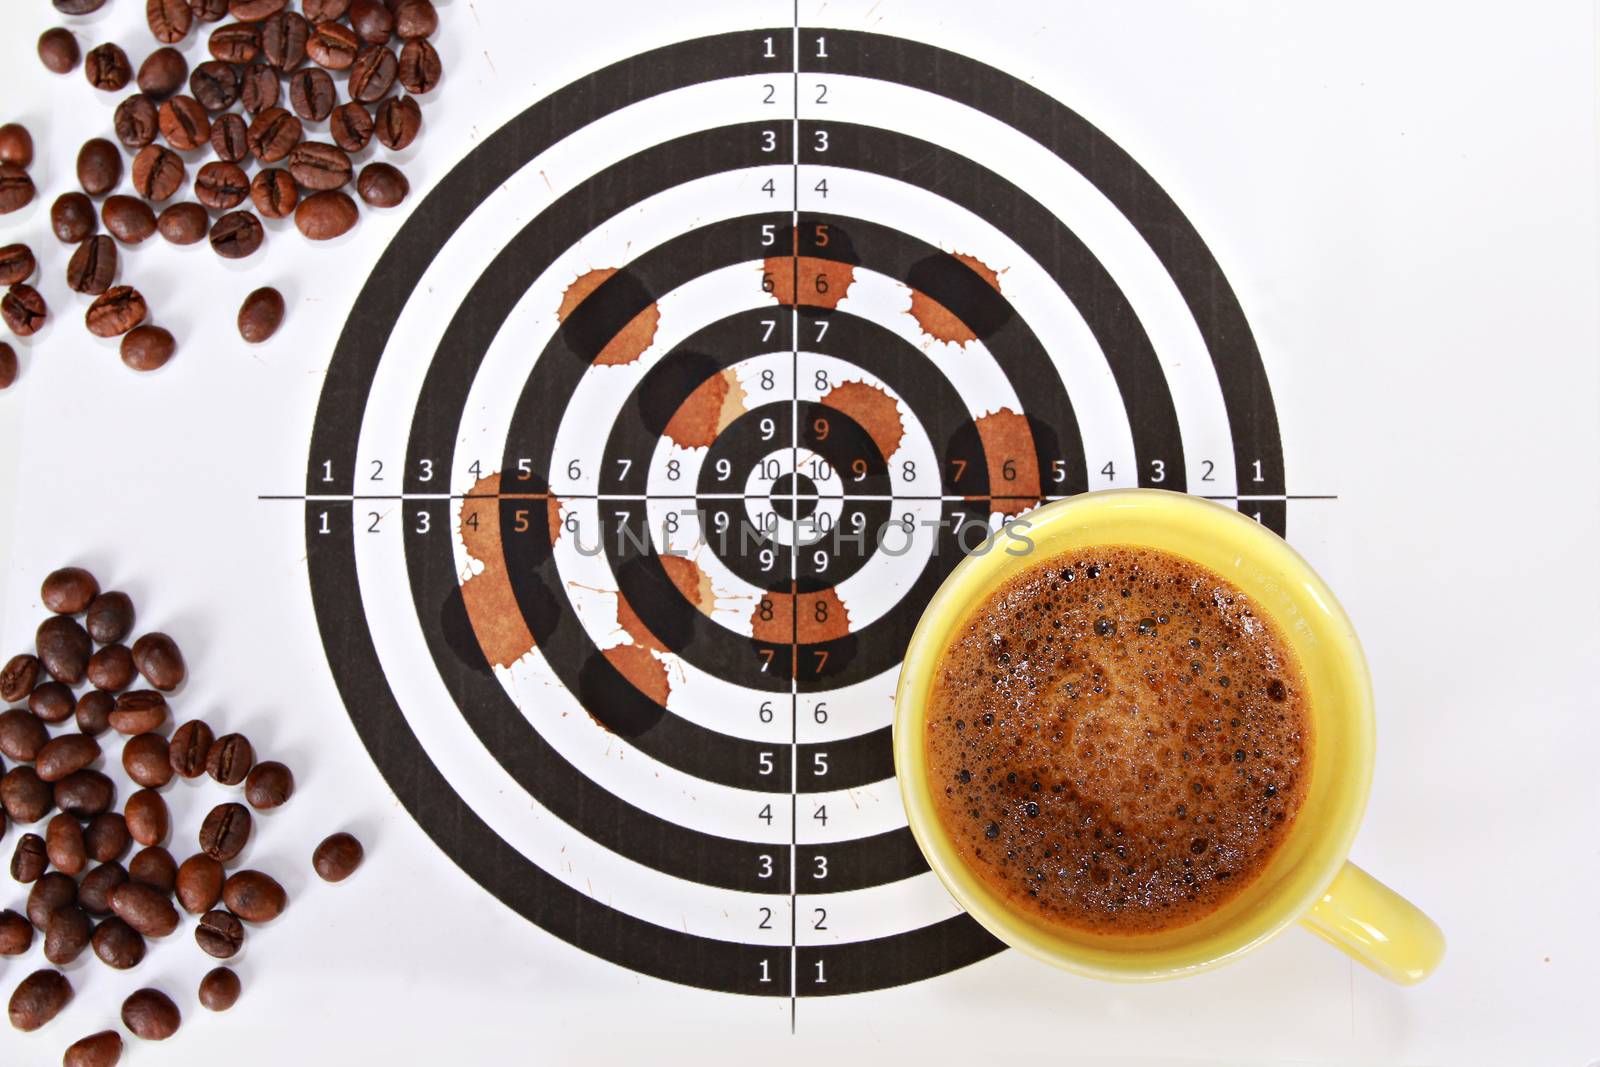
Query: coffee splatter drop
[
  {"x": 491, "y": 604},
  {"x": 632, "y": 340},
  {"x": 822, "y": 282},
  {"x": 822, "y": 617},
  {"x": 707, "y": 411},
  {"x": 874, "y": 410},
  {"x": 643, "y": 671},
  {"x": 938, "y": 321},
  {"x": 1009, "y": 448}
]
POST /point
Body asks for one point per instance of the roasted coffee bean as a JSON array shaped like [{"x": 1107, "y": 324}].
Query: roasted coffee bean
[
  {"x": 324, "y": 216},
  {"x": 219, "y": 989},
  {"x": 73, "y": 219},
  {"x": 273, "y": 135},
  {"x": 312, "y": 94},
  {"x": 29, "y": 859},
  {"x": 16, "y": 264},
  {"x": 254, "y": 897},
  {"x": 155, "y": 867},
  {"x": 66, "y": 935},
  {"x": 269, "y": 785},
  {"x": 147, "y": 816},
  {"x": 17, "y": 680},
  {"x": 225, "y": 831},
  {"x": 163, "y": 73},
  {"x": 221, "y": 186},
  {"x": 93, "y": 712},
  {"x": 350, "y": 126},
  {"x": 399, "y": 122},
  {"x": 209, "y": 10},
  {"x": 415, "y": 18},
  {"x": 93, "y": 267},
  {"x": 237, "y": 42},
  {"x": 420, "y": 68},
  {"x": 184, "y": 123},
  {"x": 199, "y": 883},
  {"x": 68, "y": 590},
  {"x": 22, "y": 734},
  {"x": 63, "y": 844},
  {"x": 128, "y": 219},
  {"x": 219, "y": 934},
  {"x": 50, "y": 891},
  {"x": 111, "y": 667},
  {"x": 230, "y": 138},
  {"x": 337, "y": 857},
  {"x": 169, "y": 19},
  {"x": 63, "y": 755},
  {"x": 24, "y": 310},
  {"x": 215, "y": 84},
  {"x": 85, "y": 793},
  {"x": 52, "y": 702},
  {"x": 160, "y": 661},
  {"x": 283, "y": 40},
  {"x": 24, "y": 796},
  {"x": 373, "y": 73},
  {"x": 107, "y": 68},
  {"x": 38, "y": 999},
  {"x": 78, "y": 7},
  {"x": 157, "y": 173},
  {"x": 116, "y": 944},
  {"x": 255, "y": 10},
  {"x": 381, "y": 185},
  {"x": 94, "y": 892},
  {"x": 151, "y": 1015},
  {"x": 106, "y": 837},
  {"x": 147, "y": 348},
  {"x": 135, "y": 121},
  {"x": 259, "y": 89},
  {"x": 237, "y": 235},
  {"x": 372, "y": 20},
  {"x": 147, "y": 760},
  {"x": 261, "y": 314},
  {"x": 8, "y": 372},
  {"x": 184, "y": 224},
  {"x": 110, "y": 617},
  {"x": 16, "y": 145},
  {"x": 332, "y": 45},
  {"x": 145, "y": 908},
  {"x": 117, "y": 310},
  {"x": 274, "y": 193},
  {"x": 16, "y": 188},
  {"x": 230, "y": 759},
  {"x": 318, "y": 167},
  {"x": 325, "y": 10},
  {"x": 190, "y": 745},
  {"x": 97, "y": 1050},
  {"x": 58, "y": 50},
  {"x": 63, "y": 648},
  {"x": 16, "y": 934}
]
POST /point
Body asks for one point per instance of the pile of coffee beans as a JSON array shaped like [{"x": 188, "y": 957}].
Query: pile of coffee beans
[
  {"x": 87, "y": 671},
  {"x": 295, "y": 92}
]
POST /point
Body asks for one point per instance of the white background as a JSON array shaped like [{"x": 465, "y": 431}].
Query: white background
[{"x": 1404, "y": 198}]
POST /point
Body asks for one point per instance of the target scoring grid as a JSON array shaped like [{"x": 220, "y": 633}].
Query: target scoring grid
[{"x": 713, "y": 519}]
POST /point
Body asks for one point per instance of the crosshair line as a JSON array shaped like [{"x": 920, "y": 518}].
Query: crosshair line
[{"x": 794, "y": 495}]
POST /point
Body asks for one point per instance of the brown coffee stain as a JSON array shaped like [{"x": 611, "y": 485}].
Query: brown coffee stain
[
  {"x": 822, "y": 282},
  {"x": 632, "y": 340},
  {"x": 936, "y": 320},
  {"x": 1008, "y": 444},
  {"x": 693, "y": 583},
  {"x": 491, "y": 604},
  {"x": 822, "y": 616},
  {"x": 642, "y": 670},
  {"x": 707, "y": 411},
  {"x": 874, "y": 410}
]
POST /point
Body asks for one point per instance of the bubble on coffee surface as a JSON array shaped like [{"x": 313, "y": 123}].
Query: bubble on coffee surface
[{"x": 1118, "y": 740}]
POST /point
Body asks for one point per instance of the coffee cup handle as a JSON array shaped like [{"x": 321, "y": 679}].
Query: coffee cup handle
[{"x": 1377, "y": 926}]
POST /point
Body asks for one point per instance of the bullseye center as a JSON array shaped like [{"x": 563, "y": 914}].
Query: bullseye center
[{"x": 794, "y": 496}]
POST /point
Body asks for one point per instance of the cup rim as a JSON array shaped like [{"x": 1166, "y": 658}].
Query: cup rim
[{"x": 951, "y": 602}]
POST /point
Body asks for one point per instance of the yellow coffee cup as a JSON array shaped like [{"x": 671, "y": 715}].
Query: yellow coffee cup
[{"x": 1308, "y": 878}]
